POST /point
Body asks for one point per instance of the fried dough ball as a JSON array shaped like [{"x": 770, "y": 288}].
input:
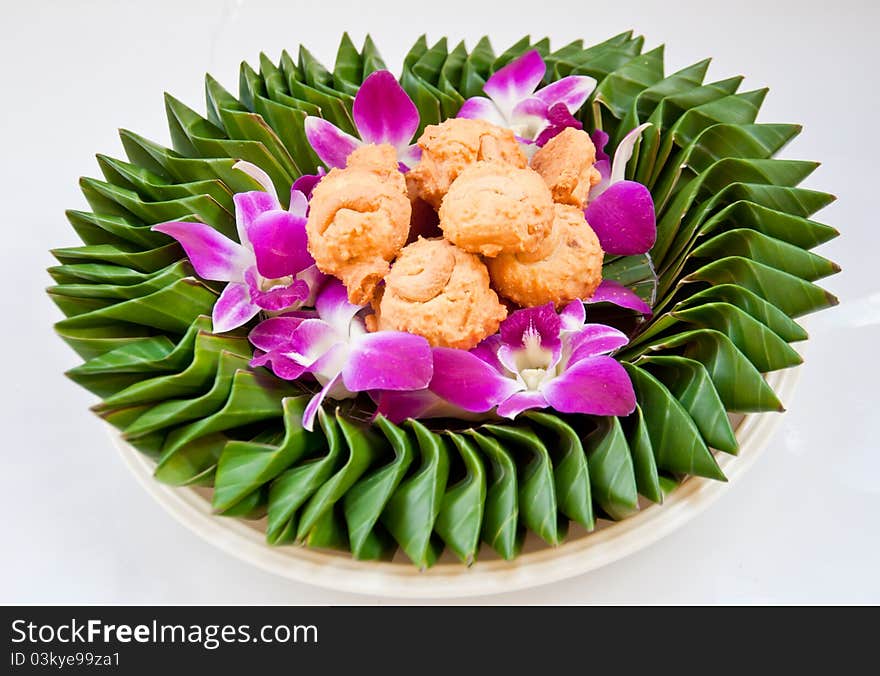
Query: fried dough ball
[
  {"x": 438, "y": 291},
  {"x": 567, "y": 266},
  {"x": 359, "y": 219},
  {"x": 566, "y": 164},
  {"x": 494, "y": 208},
  {"x": 455, "y": 144}
]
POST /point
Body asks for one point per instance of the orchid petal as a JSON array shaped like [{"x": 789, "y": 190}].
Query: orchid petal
[
  {"x": 400, "y": 406},
  {"x": 249, "y": 206},
  {"x": 465, "y": 380},
  {"x": 623, "y": 219},
  {"x": 258, "y": 175},
  {"x": 383, "y": 112},
  {"x": 529, "y": 116},
  {"x": 543, "y": 320},
  {"x": 573, "y": 316},
  {"x": 481, "y": 108},
  {"x": 522, "y": 401},
  {"x": 299, "y": 203},
  {"x": 274, "y": 334},
  {"x": 573, "y": 91},
  {"x": 409, "y": 157},
  {"x": 280, "y": 244},
  {"x": 558, "y": 119},
  {"x": 306, "y": 183},
  {"x": 279, "y": 297},
  {"x": 506, "y": 357},
  {"x": 233, "y": 309},
  {"x": 487, "y": 350},
  {"x": 282, "y": 297},
  {"x": 604, "y": 169},
  {"x": 594, "y": 386},
  {"x": 213, "y": 255},
  {"x": 600, "y": 140},
  {"x": 517, "y": 80},
  {"x": 283, "y": 367},
  {"x": 624, "y": 152},
  {"x": 315, "y": 279},
  {"x": 314, "y": 404},
  {"x": 333, "y": 306},
  {"x": 530, "y": 107},
  {"x": 329, "y": 365},
  {"x": 310, "y": 341},
  {"x": 595, "y": 339},
  {"x": 329, "y": 142},
  {"x": 610, "y": 291},
  {"x": 603, "y": 163},
  {"x": 388, "y": 360}
]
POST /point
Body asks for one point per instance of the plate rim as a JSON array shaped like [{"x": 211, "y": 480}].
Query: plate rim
[{"x": 454, "y": 580}]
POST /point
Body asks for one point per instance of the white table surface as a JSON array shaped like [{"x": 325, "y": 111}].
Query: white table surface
[{"x": 802, "y": 526}]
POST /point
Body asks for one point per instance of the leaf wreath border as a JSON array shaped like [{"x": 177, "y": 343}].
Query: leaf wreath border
[{"x": 732, "y": 257}]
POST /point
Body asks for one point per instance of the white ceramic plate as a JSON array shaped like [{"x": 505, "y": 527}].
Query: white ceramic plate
[{"x": 537, "y": 565}]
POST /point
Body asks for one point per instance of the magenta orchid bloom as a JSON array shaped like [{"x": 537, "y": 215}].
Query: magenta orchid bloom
[
  {"x": 539, "y": 359},
  {"x": 383, "y": 113},
  {"x": 332, "y": 344},
  {"x": 270, "y": 269},
  {"x": 620, "y": 212},
  {"x": 534, "y": 116}
]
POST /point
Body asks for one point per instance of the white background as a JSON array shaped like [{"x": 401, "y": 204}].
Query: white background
[{"x": 802, "y": 526}]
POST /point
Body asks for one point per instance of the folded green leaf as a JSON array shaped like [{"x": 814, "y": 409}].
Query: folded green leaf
[
  {"x": 293, "y": 487},
  {"x": 612, "y": 474},
  {"x": 245, "y": 466},
  {"x": 501, "y": 523},
  {"x": 365, "y": 501},
  {"x": 537, "y": 484},
  {"x": 363, "y": 449},
  {"x": 690, "y": 384},
  {"x": 461, "y": 515},
  {"x": 677, "y": 443},
  {"x": 413, "y": 508},
  {"x": 644, "y": 464}
]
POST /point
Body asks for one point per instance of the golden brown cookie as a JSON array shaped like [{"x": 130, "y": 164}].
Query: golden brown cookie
[
  {"x": 455, "y": 144},
  {"x": 566, "y": 164},
  {"x": 494, "y": 208},
  {"x": 567, "y": 266},
  {"x": 359, "y": 219},
  {"x": 438, "y": 291}
]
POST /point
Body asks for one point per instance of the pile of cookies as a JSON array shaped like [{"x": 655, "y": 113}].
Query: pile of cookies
[{"x": 472, "y": 231}]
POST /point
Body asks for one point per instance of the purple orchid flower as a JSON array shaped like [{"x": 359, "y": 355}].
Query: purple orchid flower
[
  {"x": 270, "y": 269},
  {"x": 383, "y": 113},
  {"x": 620, "y": 212},
  {"x": 332, "y": 344},
  {"x": 539, "y": 359},
  {"x": 534, "y": 116}
]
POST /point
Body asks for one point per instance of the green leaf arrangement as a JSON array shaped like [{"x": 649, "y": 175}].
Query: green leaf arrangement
[{"x": 733, "y": 270}]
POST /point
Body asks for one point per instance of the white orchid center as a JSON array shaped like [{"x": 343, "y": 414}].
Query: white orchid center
[
  {"x": 266, "y": 284},
  {"x": 534, "y": 361},
  {"x": 527, "y": 126}
]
